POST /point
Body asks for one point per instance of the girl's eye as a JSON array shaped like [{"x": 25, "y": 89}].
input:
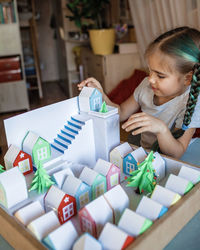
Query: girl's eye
[{"x": 161, "y": 76}]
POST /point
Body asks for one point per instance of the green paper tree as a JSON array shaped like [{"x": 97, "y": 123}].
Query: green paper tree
[
  {"x": 104, "y": 108},
  {"x": 41, "y": 180},
  {"x": 144, "y": 178},
  {"x": 1, "y": 169}
]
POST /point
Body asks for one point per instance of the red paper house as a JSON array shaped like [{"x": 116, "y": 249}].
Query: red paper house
[
  {"x": 15, "y": 157},
  {"x": 59, "y": 201}
]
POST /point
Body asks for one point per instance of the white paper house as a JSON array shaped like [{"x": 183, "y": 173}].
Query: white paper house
[
  {"x": 13, "y": 188},
  {"x": 118, "y": 153},
  {"x": 112, "y": 237},
  {"x": 29, "y": 213},
  {"x": 60, "y": 176},
  {"x": 86, "y": 242},
  {"x": 94, "y": 216},
  {"x": 190, "y": 174},
  {"x": 90, "y": 99},
  {"x": 159, "y": 166},
  {"x": 118, "y": 200},
  {"x": 61, "y": 238}
]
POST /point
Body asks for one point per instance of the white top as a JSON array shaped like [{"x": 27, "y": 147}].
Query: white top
[{"x": 171, "y": 112}]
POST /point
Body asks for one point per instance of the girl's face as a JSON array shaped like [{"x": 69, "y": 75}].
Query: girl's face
[{"x": 165, "y": 81}]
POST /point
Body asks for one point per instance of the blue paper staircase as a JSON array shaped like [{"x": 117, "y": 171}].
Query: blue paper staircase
[{"x": 69, "y": 133}]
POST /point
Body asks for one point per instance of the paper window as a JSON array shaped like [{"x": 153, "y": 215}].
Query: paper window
[
  {"x": 42, "y": 153},
  {"x": 130, "y": 167},
  {"x": 86, "y": 225},
  {"x": 97, "y": 103},
  {"x": 99, "y": 189},
  {"x": 24, "y": 165},
  {"x": 114, "y": 179},
  {"x": 84, "y": 199},
  {"x": 68, "y": 211}
]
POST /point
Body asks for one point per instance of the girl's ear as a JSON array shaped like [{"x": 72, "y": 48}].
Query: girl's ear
[{"x": 188, "y": 78}]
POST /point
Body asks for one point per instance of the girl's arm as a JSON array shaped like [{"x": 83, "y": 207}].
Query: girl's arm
[
  {"x": 142, "y": 122},
  {"x": 127, "y": 108}
]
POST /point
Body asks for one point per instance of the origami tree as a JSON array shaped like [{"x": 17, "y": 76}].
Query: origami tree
[
  {"x": 144, "y": 178},
  {"x": 104, "y": 108},
  {"x": 1, "y": 169},
  {"x": 41, "y": 180}
]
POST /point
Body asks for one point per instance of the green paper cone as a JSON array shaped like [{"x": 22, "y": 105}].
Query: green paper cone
[
  {"x": 104, "y": 108},
  {"x": 146, "y": 225},
  {"x": 189, "y": 187}
]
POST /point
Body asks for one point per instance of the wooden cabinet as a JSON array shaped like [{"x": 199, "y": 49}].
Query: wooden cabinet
[
  {"x": 109, "y": 69},
  {"x": 13, "y": 91}
]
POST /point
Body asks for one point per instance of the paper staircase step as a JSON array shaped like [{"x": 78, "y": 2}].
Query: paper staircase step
[
  {"x": 74, "y": 124},
  {"x": 62, "y": 142},
  {"x": 68, "y": 132},
  {"x": 65, "y": 137},
  {"x": 72, "y": 128},
  {"x": 58, "y": 147},
  {"x": 80, "y": 118}
]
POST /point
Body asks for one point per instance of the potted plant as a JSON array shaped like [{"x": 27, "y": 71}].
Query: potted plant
[{"x": 102, "y": 38}]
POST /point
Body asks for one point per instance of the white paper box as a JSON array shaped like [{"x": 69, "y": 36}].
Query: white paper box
[
  {"x": 59, "y": 177},
  {"x": 190, "y": 174},
  {"x": 159, "y": 166},
  {"x": 43, "y": 225},
  {"x": 30, "y": 212},
  {"x": 113, "y": 238},
  {"x": 62, "y": 238},
  {"x": 87, "y": 242}
]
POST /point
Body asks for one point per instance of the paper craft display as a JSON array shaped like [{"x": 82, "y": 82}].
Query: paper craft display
[
  {"x": 78, "y": 189},
  {"x": 94, "y": 216},
  {"x": 159, "y": 166},
  {"x": 37, "y": 147},
  {"x": 86, "y": 242},
  {"x": 41, "y": 181},
  {"x": 61, "y": 238},
  {"x": 15, "y": 157},
  {"x": 43, "y": 225},
  {"x": 62, "y": 203},
  {"x": 118, "y": 200},
  {"x": 118, "y": 153},
  {"x": 150, "y": 209},
  {"x": 29, "y": 213},
  {"x": 90, "y": 99},
  {"x": 2, "y": 169},
  {"x": 96, "y": 181},
  {"x": 190, "y": 174},
  {"x": 61, "y": 175},
  {"x": 165, "y": 196},
  {"x": 112, "y": 237},
  {"x": 110, "y": 171},
  {"x": 178, "y": 184},
  {"x": 13, "y": 187},
  {"x": 133, "y": 159},
  {"x": 144, "y": 178},
  {"x": 133, "y": 223}
]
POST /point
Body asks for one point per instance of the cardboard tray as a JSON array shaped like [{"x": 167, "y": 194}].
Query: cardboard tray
[{"x": 163, "y": 229}]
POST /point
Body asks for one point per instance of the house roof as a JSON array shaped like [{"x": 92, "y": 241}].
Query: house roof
[
  {"x": 86, "y": 92},
  {"x": 139, "y": 154},
  {"x": 124, "y": 149},
  {"x": 102, "y": 167},
  {"x": 71, "y": 185},
  {"x": 12, "y": 153},
  {"x": 53, "y": 197},
  {"x": 29, "y": 142},
  {"x": 88, "y": 175}
]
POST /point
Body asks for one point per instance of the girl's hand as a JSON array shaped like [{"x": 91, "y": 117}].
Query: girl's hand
[
  {"x": 142, "y": 122},
  {"x": 90, "y": 82}
]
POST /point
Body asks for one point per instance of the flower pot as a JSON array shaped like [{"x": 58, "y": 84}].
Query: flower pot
[{"x": 102, "y": 41}]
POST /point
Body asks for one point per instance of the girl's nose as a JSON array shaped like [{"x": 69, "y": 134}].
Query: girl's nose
[{"x": 152, "y": 79}]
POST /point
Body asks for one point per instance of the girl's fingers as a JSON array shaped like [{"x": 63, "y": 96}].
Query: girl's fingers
[
  {"x": 135, "y": 119},
  {"x": 137, "y": 125}
]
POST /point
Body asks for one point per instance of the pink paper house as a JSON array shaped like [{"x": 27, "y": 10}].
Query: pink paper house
[
  {"x": 110, "y": 171},
  {"x": 64, "y": 204},
  {"x": 15, "y": 157}
]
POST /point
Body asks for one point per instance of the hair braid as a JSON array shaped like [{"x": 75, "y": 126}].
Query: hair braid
[{"x": 193, "y": 96}]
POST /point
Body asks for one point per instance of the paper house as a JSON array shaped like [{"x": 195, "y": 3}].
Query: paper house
[
  {"x": 78, "y": 189},
  {"x": 190, "y": 174},
  {"x": 96, "y": 181},
  {"x": 29, "y": 213},
  {"x": 178, "y": 184},
  {"x": 13, "y": 187},
  {"x": 133, "y": 223},
  {"x": 43, "y": 225},
  {"x": 61, "y": 175},
  {"x": 112, "y": 237},
  {"x": 118, "y": 153},
  {"x": 61, "y": 238},
  {"x": 90, "y": 99},
  {"x": 165, "y": 196},
  {"x": 37, "y": 147},
  {"x": 94, "y": 216},
  {"x": 86, "y": 242},
  {"x": 118, "y": 201},
  {"x": 133, "y": 159},
  {"x": 59, "y": 201},
  {"x": 150, "y": 209},
  {"x": 15, "y": 157},
  {"x": 159, "y": 166},
  {"x": 110, "y": 171}
]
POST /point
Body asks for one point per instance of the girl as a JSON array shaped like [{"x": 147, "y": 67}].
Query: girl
[{"x": 168, "y": 96}]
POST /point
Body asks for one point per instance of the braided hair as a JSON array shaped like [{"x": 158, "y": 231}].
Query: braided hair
[{"x": 182, "y": 44}]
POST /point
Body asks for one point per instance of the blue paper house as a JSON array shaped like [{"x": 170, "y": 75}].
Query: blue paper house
[
  {"x": 90, "y": 99},
  {"x": 78, "y": 189}
]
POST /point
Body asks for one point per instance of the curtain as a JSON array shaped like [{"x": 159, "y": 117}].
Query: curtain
[{"x": 153, "y": 17}]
